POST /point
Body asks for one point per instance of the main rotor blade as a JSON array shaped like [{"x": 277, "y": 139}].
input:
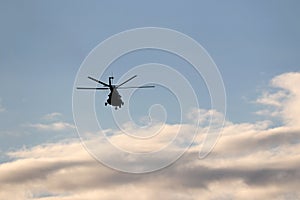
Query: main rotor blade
[
  {"x": 98, "y": 81},
  {"x": 126, "y": 81},
  {"x": 88, "y": 88},
  {"x": 147, "y": 86}
]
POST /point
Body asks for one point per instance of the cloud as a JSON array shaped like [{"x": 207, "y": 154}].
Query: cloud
[
  {"x": 52, "y": 123},
  {"x": 273, "y": 99},
  {"x": 52, "y": 116},
  {"x": 285, "y": 101},
  {"x": 250, "y": 161},
  {"x": 67, "y": 171},
  {"x": 56, "y": 126}
]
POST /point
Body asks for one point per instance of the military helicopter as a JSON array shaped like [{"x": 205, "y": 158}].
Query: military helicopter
[{"x": 114, "y": 98}]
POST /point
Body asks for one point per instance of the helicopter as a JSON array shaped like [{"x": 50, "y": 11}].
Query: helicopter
[{"x": 114, "y": 98}]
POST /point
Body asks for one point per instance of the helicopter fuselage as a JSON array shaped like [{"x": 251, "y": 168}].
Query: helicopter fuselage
[{"x": 114, "y": 98}]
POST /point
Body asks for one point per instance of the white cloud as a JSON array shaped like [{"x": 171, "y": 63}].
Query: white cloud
[
  {"x": 56, "y": 126},
  {"x": 52, "y": 116},
  {"x": 268, "y": 112},
  {"x": 52, "y": 123},
  {"x": 250, "y": 161},
  {"x": 286, "y": 100},
  {"x": 273, "y": 99},
  {"x": 206, "y": 117},
  {"x": 291, "y": 108}
]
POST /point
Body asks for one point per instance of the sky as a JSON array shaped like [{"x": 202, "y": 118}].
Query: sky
[{"x": 254, "y": 44}]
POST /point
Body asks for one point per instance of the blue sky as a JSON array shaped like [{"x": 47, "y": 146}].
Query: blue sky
[{"x": 43, "y": 44}]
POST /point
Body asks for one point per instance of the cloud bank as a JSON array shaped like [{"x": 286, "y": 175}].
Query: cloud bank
[{"x": 250, "y": 161}]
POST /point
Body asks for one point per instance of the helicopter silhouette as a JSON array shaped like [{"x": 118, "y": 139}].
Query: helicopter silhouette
[{"x": 114, "y": 98}]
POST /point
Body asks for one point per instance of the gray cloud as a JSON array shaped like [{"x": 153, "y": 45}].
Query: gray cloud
[{"x": 70, "y": 174}]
